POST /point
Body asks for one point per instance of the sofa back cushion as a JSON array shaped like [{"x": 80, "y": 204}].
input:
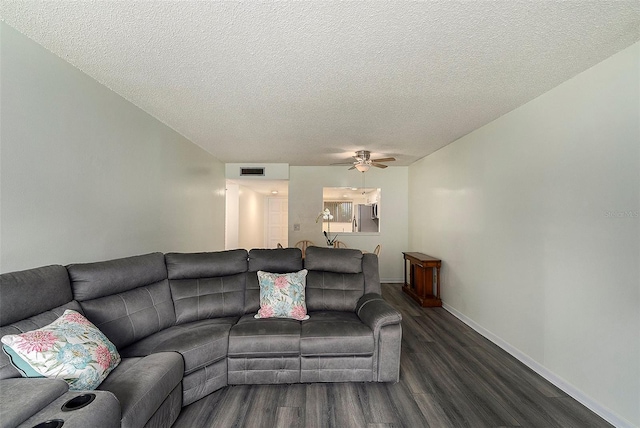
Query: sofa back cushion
[
  {"x": 340, "y": 260},
  {"x": 332, "y": 291},
  {"x": 278, "y": 260},
  {"x": 371, "y": 273},
  {"x": 207, "y": 285},
  {"x": 99, "y": 279},
  {"x": 335, "y": 280},
  {"x": 127, "y": 299},
  {"x": 29, "y": 300},
  {"x": 30, "y": 292}
]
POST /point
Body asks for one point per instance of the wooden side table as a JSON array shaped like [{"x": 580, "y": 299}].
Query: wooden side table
[{"x": 424, "y": 279}]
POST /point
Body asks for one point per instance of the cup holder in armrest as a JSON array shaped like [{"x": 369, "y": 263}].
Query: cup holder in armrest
[
  {"x": 78, "y": 402},
  {"x": 52, "y": 423}
]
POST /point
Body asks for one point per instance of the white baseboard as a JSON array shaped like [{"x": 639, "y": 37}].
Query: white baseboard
[{"x": 556, "y": 380}]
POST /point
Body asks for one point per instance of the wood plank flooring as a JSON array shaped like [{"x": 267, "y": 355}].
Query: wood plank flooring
[{"x": 450, "y": 376}]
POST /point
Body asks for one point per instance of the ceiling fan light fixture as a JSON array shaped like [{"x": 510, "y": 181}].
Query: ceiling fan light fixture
[{"x": 362, "y": 161}]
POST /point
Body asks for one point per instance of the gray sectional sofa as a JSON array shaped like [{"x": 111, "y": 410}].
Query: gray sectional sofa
[{"x": 184, "y": 327}]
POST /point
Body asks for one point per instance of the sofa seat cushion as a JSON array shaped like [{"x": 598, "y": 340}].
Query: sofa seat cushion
[
  {"x": 334, "y": 333},
  {"x": 269, "y": 337},
  {"x": 200, "y": 343},
  {"x": 20, "y": 398},
  {"x": 142, "y": 385}
]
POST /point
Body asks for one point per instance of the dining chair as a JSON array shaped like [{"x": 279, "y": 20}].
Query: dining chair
[
  {"x": 303, "y": 245},
  {"x": 339, "y": 244}
]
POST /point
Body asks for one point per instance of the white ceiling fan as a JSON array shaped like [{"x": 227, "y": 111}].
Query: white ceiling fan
[{"x": 362, "y": 161}]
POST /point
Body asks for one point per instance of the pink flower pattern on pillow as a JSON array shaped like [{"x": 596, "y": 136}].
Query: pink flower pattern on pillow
[
  {"x": 299, "y": 312},
  {"x": 281, "y": 281},
  {"x": 37, "y": 341},
  {"x": 103, "y": 356},
  {"x": 266, "y": 311},
  {"x": 75, "y": 317}
]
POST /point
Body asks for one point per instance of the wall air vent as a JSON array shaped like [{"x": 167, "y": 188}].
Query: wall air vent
[
  {"x": 251, "y": 172},
  {"x": 256, "y": 171}
]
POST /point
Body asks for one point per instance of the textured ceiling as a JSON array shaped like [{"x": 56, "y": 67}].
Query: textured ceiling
[{"x": 309, "y": 83}]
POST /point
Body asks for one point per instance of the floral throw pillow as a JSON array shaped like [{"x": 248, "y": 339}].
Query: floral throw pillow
[
  {"x": 70, "y": 348},
  {"x": 282, "y": 295}
]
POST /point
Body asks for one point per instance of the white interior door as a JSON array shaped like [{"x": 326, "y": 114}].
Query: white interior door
[{"x": 277, "y": 222}]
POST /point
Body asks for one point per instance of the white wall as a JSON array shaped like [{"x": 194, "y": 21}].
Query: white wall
[
  {"x": 87, "y": 176},
  {"x": 536, "y": 218},
  {"x": 232, "y": 217},
  {"x": 251, "y": 219},
  {"x": 305, "y": 203}
]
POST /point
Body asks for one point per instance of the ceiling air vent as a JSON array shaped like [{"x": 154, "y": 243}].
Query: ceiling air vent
[{"x": 252, "y": 172}]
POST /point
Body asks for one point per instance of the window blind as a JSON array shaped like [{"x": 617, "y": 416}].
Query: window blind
[{"x": 342, "y": 211}]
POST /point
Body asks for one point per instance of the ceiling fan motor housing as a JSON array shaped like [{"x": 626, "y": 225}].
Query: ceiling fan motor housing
[{"x": 363, "y": 155}]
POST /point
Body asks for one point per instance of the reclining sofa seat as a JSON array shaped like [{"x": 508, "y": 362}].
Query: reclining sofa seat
[
  {"x": 34, "y": 298},
  {"x": 265, "y": 351},
  {"x": 208, "y": 293},
  {"x": 349, "y": 330},
  {"x": 128, "y": 299},
  {"x": 335, "y": 345},
  {"x": 131, "y": 301}
]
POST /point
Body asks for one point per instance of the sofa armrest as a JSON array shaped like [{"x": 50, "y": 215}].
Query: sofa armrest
[
  {"x": 102, "y": 412},
  {"x": 375, "y": 312},
  {"x": 385, "y": 322},
  {"x": 20, "y": 398}
]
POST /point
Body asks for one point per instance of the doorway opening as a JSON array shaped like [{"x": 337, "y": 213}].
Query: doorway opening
[{"x": 257, "y": 213}]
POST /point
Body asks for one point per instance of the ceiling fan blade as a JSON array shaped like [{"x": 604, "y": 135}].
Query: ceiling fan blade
[
  {"x": 383, "y": 160},
  {"x": 353, "y": 167},
  {"x": 343, "y": 163},
  {"x": 379, "y": 165}
]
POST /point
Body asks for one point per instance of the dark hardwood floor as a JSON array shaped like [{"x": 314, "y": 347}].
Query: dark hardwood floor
[{"x": 450, "y": 376}]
